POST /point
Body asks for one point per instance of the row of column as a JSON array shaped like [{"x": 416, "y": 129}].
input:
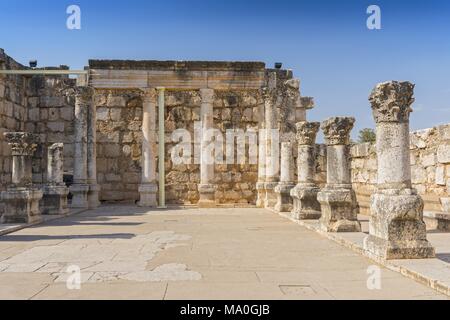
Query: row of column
[{"x": 397, "y": 229}]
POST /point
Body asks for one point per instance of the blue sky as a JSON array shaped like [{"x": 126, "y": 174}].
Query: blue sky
[{"x": 326, "y": 43}]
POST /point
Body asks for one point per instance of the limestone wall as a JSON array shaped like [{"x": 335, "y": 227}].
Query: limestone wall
[
  {"x": 119, "y": 120},
  {"x": 430, "y": 167},
  {"x": 12, "y": 112},
  {"x": 50, "y": 114}
]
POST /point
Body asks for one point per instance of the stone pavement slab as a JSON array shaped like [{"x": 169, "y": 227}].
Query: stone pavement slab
[{"x": 124, "y": 252}]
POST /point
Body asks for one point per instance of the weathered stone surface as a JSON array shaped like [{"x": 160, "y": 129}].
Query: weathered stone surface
[
  {"x": 304, "y": 195},
  {"x": 397, "y": 229},
  {"x": 337, "y": 199}
]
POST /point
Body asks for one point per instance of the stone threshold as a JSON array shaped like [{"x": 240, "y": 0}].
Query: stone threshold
[
  {"x": 433, "y": 273},
  {"x": 10, "y": 228}
]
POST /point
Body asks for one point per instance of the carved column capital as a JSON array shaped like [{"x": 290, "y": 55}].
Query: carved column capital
[
  {"x": 22, "y": 143},
  {"x": 391, "y": 101},
  {"x": 84, "y": 94},
  {"x": 149, "y": 95},
  {"x": 307, "y": 132},
  {"x": 207, "y": 95},
  {"x": 337, "y": 130}
]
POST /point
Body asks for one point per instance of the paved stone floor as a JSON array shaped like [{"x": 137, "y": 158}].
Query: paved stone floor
[{"x": 128, "y": 253}]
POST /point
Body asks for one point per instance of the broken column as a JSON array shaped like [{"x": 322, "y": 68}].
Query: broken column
[
  {"x": 304, "y": 195},
  {"x": 149, "y": 187},
  {"x": 337, "y": 199},
  {"x": 21, "y": 198},
  {"x": 397, "y": 229},
  {"x": 94, "y": 187},
  {"x": 80, "y": 188},
  {"x": 286, "y": 184},
  {"x": 54, "y": 201},
  {"x": 206, "y": 188}
]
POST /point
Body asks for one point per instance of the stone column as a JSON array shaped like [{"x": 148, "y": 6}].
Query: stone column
[
  {"x": 337, "y": 199},
  {"x": 260, "y": 185},
  {"x": 206, "y": 187},
  {"x": 272, "y": 151},
  {"x": 94, "y": 188},
  {"x": 21, "y": 198},
  {"x": 80, "y": 187},
  {"x": 304, "y": 195},
  {"x": 286, "y": 184},
  {"x": 397, "y": 229},
  {"x": 54, "y": 201},
  {"x": 149, "y": 187}
]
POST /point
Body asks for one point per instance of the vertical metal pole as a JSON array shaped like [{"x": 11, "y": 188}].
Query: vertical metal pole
[{"x": 162, "y": 148}]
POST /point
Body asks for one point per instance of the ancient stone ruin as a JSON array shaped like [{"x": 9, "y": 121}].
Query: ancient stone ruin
[{"x": 216, "y": 134}]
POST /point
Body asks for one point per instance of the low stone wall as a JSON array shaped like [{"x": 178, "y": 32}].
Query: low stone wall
[{"x": 430, "y": 168}]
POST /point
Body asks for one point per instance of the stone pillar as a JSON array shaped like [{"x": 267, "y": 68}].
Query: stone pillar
[
  {"x": 397, "y": 229},
  {"x": 54, "y": 201},
  {"x": 80, "y": 187},
  {"x": 337, "y": 199},
  {"x": 149, "y": 187},
  {"x": 272, "y": 151},
  {"x": 304, "y": 195},
  {"x": 22, "y": 198},
  {"x": 94, "y": 188},
  {"x": 260, "y": 185},
  {"x": 286, "y": 184},
  {"x": 206, "y": 187}
]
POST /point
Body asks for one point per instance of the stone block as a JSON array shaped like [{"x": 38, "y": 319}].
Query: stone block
[
  {"x": 443, "y": 153},
  {"x": 440, "y": 176}
]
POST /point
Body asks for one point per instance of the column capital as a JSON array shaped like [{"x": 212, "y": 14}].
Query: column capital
[
  {"x": 149, "y": 95},
  {"x": 337, "y": 130},
  {"x": 207, "y": 95},
  {"x": 307, "y": 132},
  {"x": 391, "y": 101},
  {"x": 22, "y": 143},
  {"x": 84, "y": 94}
]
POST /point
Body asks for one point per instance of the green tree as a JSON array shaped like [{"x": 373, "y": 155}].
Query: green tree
[{"x": 367, "y": 135}]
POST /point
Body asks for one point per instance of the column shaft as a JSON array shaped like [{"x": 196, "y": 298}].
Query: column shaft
[
  {"x": 206, "y": 188},
  {"x": 148, "y": 187}
]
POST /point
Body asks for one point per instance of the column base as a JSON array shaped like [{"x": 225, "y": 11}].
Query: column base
[
  {"x": 148, "y": 194},
  {"x": 54, "y": 201},
  {"x": 397, "y": 229},
  {"x": 271, "y": 197},
  {"x": 79, "y": 196},
  {"x": 338, "y": 210},
  {"x": 21, "y": 205},
  {"x": 306, "y": 206},
  {"x": 284, "y": 200},
  {"x": 93, "y": 196},
  {"x": 261, "y": 194},
  {"x": 207, "y": 196}
]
